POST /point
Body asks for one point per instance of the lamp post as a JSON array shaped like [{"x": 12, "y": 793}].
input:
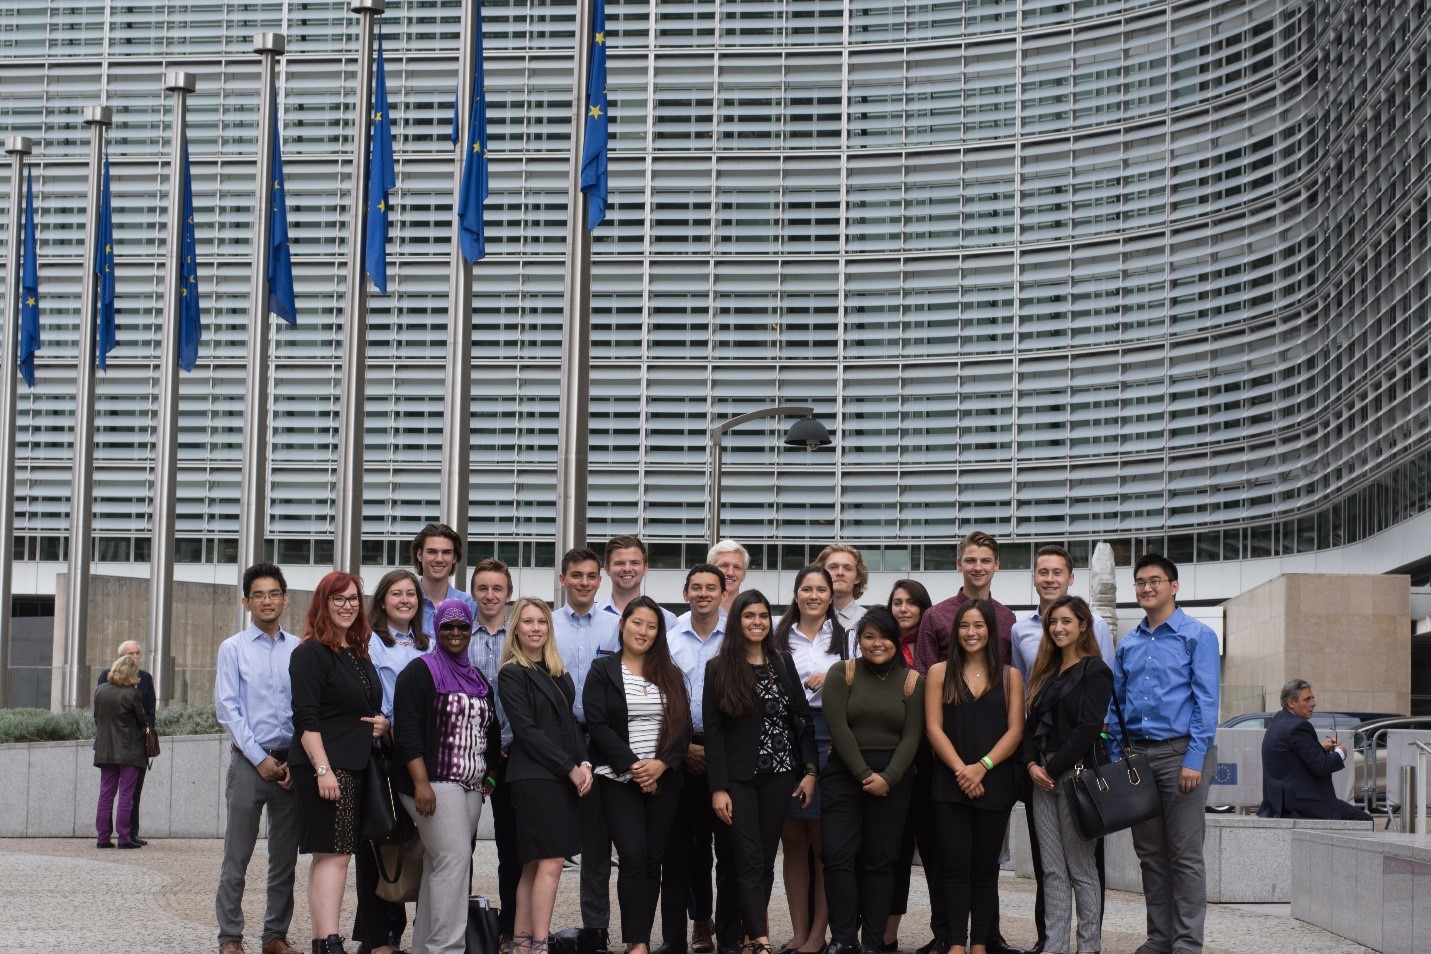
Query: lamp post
[{"x": 806, "y": 432}]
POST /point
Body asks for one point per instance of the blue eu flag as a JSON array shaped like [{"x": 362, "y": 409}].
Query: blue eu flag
[
  {"x": 29, "y": 290},
  {"x": 382, "y": 176},
  {"x": 280, "y": 263},
  {"x": 105, "y": 334},
  {"x": 191, "y": 327},
  {"x": 593, "y": 153},
  {"x": 474, "y": 169}
]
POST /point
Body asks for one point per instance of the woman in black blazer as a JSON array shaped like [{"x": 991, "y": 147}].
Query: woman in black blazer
[
  {"x": 337, "y": 714},
  {"x": 1069, "y": 689},
  {"x": 639, "y": 719},
  {"x": 547, "y": 770},
  {"x": 760, "y": 753}
]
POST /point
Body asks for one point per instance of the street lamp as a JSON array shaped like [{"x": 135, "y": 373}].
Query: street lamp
[{"x": 805, "y": 432}]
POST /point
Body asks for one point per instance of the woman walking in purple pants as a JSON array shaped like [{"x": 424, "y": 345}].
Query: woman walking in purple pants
[{"x": 119, "y": 726}]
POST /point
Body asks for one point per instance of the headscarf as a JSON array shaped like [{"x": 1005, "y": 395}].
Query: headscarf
[{"x": 450, "y": 674}]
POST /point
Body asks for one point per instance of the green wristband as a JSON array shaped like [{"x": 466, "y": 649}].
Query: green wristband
[{"x": 987, "y": 762}]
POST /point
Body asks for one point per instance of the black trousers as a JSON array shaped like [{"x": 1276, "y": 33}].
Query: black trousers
[
  {"x": 971, "y": 840},
  {"x": 138, "y": 790},
  {"x": 919, "y": 831},
  {"x": 758, "y": 810},
  {"x": 376, "y": 923},
  {"x": 504, "y": 830},
  {"x": 639, "y": 824},
  {"x": 686, "y": 875},
  {"x": 860, "y": 835}
]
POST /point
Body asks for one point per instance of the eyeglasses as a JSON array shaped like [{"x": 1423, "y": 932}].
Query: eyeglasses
[
  {"x": 458, "y": 627},
  {"x": 272, "y": 596},
  {"x": 1151, "y": 583},
  {"x": 353, "y": 600}
]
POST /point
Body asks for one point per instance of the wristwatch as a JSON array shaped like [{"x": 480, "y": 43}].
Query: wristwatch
[{"x": 321, "y": 770}]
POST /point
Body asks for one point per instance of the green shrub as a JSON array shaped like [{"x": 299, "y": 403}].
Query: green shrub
[
  {"x": 41, "y": 725},
  {"x": 187, "y": 720}
]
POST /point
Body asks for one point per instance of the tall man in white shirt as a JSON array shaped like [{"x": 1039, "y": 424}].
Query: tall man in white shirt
[
  {"x": 253, "y": 701},
  {"x": 584, "y": 632},
  {"x": 849, "y": 576},
  {"x": 627, "y": 561}
]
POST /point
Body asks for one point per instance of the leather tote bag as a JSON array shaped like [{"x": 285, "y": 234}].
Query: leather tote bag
[{"x": 1108, "y": 798}]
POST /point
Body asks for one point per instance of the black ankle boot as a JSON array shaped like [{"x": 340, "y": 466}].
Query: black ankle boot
[{"x": 332, "y": 944}]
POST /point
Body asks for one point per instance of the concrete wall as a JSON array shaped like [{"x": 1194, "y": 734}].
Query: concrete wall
[
  {"x": 1372, "y": 888},
  {"x": 1349, "y": 635}
]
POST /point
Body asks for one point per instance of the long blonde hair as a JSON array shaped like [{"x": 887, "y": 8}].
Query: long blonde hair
[{"x": 511, "y": 649}]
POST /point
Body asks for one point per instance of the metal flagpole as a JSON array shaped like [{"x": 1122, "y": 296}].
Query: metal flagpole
[
  {"x": 253, "y": 492},
  {"x": 99, "y": 119},
  {"x": 348, "y": 539},
  {"x": 18, "y": 147},
  {"x": 166, "y": 451},
  {"x": 572, "y": 436},
  {"x": 457, "y": 398}
]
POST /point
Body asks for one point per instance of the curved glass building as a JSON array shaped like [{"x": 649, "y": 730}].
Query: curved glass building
[{"x": 1151, "y": 272}]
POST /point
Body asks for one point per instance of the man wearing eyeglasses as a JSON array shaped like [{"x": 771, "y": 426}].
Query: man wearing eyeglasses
[
  {"x": 1165, "y": 677},
  {"x": 253, "y": 700}
]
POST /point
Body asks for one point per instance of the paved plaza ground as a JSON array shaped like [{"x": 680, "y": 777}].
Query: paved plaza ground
[{"x": 66, "y": 895}]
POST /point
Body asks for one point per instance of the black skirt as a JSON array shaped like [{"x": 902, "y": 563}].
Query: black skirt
[
  {"x": 548, "y": 824},
  {"x": 326, "y": 827}
]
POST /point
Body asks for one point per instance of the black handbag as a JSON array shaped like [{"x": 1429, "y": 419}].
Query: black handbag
[
  {"x": 1108, "y": 798},
  {"x": 483, "y": 932},
  {"x": 382, "y": 819}
]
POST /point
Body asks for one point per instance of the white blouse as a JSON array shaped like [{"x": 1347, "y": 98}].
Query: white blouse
[{"x": 811, "y": 657}]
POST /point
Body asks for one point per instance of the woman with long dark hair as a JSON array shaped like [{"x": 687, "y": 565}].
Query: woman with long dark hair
[
  {"x": 760, "y": 754},
  {"x": 337, "y": 714},
  {"x": 639, "y": 719},
  {"x": 812, "y": 633},
  {"x": 874, "y": 706},
  {"x": 1069, "y": 689},
  {"x": 974, "y": 715}
]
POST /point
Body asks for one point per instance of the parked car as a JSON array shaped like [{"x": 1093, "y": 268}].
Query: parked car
[
  {"x": 1369, "y": 757},
  {"x": 1330, "y": 721}
]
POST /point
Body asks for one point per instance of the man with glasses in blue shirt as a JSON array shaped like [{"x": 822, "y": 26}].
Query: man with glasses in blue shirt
[{"x": 1165, "y": 676}]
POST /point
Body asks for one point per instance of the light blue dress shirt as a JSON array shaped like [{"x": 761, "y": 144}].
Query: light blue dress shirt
[
  {"x": 580, "y": 638},
  {"x": 1167, "y": 681},
  {"x": 1028, "y": 633},
  {"x": 608, "y": 607},
  {"x": 691, "y": 654},
  {"x": 429, "y": 607},
  {"x": 485, "y": 651},
  {"x": 253, "y": 698},
  {"x": 392, "y": 660}
]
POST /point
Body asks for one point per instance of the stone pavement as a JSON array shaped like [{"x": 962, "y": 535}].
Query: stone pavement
[{"x": 66, "y": 895}]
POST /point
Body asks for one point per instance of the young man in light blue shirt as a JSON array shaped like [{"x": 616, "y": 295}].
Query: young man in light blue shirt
[
  {"x": 627, "y": 561},
  {"x": 436, "y": 553}
]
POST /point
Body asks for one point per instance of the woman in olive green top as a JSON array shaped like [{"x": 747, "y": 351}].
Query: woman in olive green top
[{"x": 875, "y": 709}]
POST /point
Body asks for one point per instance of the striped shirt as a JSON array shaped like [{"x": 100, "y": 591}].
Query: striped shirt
[{"x": 643, "y": 722}]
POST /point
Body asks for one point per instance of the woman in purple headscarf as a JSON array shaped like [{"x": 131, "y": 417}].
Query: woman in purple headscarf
[{"x": 444, "y": 717}]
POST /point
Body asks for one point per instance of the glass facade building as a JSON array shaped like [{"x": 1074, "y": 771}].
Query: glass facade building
[{"x": 1154, "y": 272}]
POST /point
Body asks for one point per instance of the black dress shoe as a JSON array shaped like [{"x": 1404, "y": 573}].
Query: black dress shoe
[
  {"x": 936, "y": 945},
  {"x": 889, "y": 948},
  {"x": 104, "y": 844},
  {"x": 139, "y": 841},
  {"x": 669, "y": 948},
  {"x": 130, "y": 844},
  {"x": 1000, "y": 946}
]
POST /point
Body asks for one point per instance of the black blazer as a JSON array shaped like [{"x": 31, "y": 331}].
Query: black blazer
[
  {"x": 415, "y": 725},
  {"x": 1067, "y": 716},
  {"x": 546, "y": 742},
  {"x": 146, "y": 692},
  {"x": 329, "y": 698},
  {"x": 732, "y": 743},
  {"x": 1297, "y": 772},
  {"x": 604, "y": 699}
]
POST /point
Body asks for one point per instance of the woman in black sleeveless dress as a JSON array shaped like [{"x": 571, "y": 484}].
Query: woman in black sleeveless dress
[{"x": 974, "y": 715}]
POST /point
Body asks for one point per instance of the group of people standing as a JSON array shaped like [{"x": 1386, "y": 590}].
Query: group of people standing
[{"x": 708, "y": 743}]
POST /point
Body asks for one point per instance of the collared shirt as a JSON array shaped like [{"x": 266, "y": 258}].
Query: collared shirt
[
  {"x": 608, "y": 607},
  {"x": 849, "y": 618},
  {"x": 811, "y": 657},
  {"x": 392, "y": 660},
  {"x": 485, "y": 651},
  {"x": 1167, "y": 681},
  {"x": 692, "y": 653},
  {"x": 1028, "y": 633},
  {"x": 937, "y": 625},
  {"x": 580, "y": 638},
  {"x": 429, "y": 607},
  {"x": 253, "y": 698}
]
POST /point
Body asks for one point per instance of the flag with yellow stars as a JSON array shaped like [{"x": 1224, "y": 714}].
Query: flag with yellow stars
[
  {"x": 29, "y": 289},
  {"x": 104, "y": 330},
  {"x": 474, "y": 162},
  {"x": 281, "y": 300},
  {"x": 593, "y": 152},
  {"x": 382, "y": 177},
  {"x": 191, "y": 326}
]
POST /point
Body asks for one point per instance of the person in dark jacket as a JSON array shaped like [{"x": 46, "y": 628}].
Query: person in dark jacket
[
  {"x": 146, "y": 696},
  {"x": 1069, "y": 689},
  {"x": 119, "y": 725},
  {"x": 547, "y": 768},
  {"x": 760, "y": 755},
  {"x": 639, "y": 720},
  {"x": 337, "y": 715},
  {"x": 446, "y": 719},
  {"x": 1297, "y": 767}
]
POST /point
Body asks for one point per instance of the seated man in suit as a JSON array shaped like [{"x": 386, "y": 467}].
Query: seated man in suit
[{"x": 1297, "y": 768}]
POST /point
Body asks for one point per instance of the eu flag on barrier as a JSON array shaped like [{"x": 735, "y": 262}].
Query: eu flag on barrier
[
  {"x": 104, "y": 330},
  {"x": 593, "y": 153},
  {"x": 474, "y": 163},
  {"x": 29, "y": 289},
  {"x": 191, "y": 327},
  {"x": 281, "y": 300},
  {"x": 382, "y": 176}
]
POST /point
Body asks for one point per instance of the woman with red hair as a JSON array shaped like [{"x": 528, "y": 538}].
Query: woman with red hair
[{"x": 337, "y": 714}]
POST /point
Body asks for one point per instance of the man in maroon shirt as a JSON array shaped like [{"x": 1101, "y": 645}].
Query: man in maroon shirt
[{"x": 978, "y": 562}]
